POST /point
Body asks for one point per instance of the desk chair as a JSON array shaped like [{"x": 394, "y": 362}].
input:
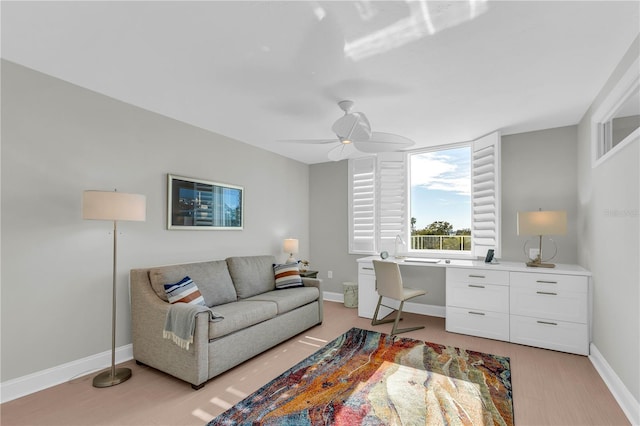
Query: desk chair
[{"x": 389, "y": 284}]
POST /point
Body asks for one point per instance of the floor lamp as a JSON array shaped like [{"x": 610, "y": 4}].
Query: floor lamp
[{"x": 113, "y": 206}]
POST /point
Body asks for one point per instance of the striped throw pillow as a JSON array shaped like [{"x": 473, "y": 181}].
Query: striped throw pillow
[
  {"x": 184, "y": 291},
  {"x": 287, "y": 275}
]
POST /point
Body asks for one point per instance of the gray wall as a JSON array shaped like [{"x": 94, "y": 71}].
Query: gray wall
[
  {"x": 59, "y": 140},
  {"x": 539, "y": 170},
  {"x": 609, "y": 241}
]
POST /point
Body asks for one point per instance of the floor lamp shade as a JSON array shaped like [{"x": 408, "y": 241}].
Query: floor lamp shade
[{"x": 113, "y": 206}]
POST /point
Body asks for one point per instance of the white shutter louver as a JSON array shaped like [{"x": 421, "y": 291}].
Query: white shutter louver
[
  {"x": 486, "y": 195},
  {"x": 392, "y": 197},
  {"x": 362, "y": 235}
]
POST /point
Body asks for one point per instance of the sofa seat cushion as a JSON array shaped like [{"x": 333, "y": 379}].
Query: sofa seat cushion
[
  {"x": 288, "y": 299},
  {"x": 240, "y": 315},
  {"x": 212, "y": 278},
  {"x": 252, "y": 275}
]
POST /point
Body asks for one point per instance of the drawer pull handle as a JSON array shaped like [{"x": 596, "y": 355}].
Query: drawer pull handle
[
  {"x": 368, "y": 269},
  {"x": 476, "y": 313},
  {"x": 547, "y": 323},
  {"x": 547, "y": 292},
  {"x": 476, "y": 276},
  {"x": 546, "y": 282},
  {"x": 476, "y": 286}
]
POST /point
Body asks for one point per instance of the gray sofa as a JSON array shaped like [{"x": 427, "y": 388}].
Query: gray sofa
[{"x": 257, "y": 316}]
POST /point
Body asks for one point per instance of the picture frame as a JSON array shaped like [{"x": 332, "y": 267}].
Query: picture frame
[{"x": 197, "y": 204}]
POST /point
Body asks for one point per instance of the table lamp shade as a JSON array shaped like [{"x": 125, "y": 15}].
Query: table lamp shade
[
  {"x": 551, "y": 222},
  {"x": 112, "y": 205},
  {"x": 290, "y": 245}
]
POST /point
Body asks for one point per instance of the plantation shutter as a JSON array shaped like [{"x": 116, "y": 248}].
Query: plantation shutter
[
  {"x": 392, "y": 198},
  {"x": 486, "y": 195},
  {"x": 362, "y": 205}
]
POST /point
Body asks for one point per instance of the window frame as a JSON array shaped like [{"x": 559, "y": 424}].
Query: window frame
[
  {"x": 601, "y": 128},
  {"x": 486, "y": 202}
]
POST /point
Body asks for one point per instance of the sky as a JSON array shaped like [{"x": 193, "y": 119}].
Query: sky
[{"x": 441, "y": 187}]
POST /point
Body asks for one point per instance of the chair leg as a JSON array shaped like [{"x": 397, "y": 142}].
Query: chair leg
[
  {"x": 395, "y": 330},
  {"x": 375, "y": 320}
]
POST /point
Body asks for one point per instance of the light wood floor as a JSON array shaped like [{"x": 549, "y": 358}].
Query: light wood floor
[{"x": 549, "y": 388}]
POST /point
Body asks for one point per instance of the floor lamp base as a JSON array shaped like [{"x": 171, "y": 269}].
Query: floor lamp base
[{"x": 106, "y": 379}]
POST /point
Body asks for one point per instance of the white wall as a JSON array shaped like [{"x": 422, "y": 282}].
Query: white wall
[
  {"x": 59, "y": 140},
  {"x": 609, "y": 241}
]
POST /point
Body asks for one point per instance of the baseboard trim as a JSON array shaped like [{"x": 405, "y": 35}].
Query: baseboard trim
[
  {"x": 627, "y": 402},
  {"x": 421, "y": 308},
  {"x": 31, "y": 383},
  {"x": 414, "y": 308},
  {"x": 330, "y": 296}
]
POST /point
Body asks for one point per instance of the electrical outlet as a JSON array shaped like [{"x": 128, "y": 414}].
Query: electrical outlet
[
  {"x": 329, "y": 274},
  {"x": 533, "y": 253}
]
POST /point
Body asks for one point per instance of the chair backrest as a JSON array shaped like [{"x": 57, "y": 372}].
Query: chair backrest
[{"x": 388, "y": 279}]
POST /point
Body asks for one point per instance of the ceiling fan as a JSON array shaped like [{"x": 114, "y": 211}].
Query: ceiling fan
[{"x": 354, "y": 136}]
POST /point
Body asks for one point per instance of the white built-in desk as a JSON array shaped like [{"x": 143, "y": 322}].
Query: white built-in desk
[{"x": 544, "y": 307}]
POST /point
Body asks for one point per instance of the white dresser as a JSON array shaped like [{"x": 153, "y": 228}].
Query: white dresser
[
  {"x": 546, "y": 308},
  {"x": 478, "y": 302},
  {"x": 550, "y": 311}
]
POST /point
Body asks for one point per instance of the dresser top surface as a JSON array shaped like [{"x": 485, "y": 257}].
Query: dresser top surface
[{"x": 479, "y": 264}]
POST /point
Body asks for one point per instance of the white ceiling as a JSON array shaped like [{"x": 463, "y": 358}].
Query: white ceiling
[{"x": 264, "y": 71}]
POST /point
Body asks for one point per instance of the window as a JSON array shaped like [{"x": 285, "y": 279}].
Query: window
[
  {"x": 440, "y": 199},
  {"x": 617, "y": 121},
  {"x": 382, "y": 200}
]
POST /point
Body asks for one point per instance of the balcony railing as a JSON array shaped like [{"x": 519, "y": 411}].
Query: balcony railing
[{"x": 441, "y": 242}]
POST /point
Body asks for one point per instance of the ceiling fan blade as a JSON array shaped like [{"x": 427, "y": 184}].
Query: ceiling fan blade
[
  {"x": 364, "y": 122},
  {"x": 383, "y": 142},
  {"x": 310, "y": 141},
  {"x": 342, "y": 152},
  {"x": 354, "y": 126}
]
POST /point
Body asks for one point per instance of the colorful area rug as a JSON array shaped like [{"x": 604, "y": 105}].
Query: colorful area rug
[{"x": 369, "y": 378}]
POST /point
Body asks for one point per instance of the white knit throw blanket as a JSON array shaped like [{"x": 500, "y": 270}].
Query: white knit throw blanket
[{"x": 180, "y": 323}]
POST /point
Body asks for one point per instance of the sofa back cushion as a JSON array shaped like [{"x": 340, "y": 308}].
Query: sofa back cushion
[
  {"x": 252, "y": 274},
  {"x": 212, "y": 278}
]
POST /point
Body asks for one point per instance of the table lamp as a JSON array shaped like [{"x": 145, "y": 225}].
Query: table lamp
[
  {"x": 542, "y": 223},
  {"x": 113, "y": 206},
  {"x": 290, "y": 246}
]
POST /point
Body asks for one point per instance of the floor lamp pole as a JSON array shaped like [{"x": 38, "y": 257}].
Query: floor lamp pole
[{"x": 113, "y": 376}]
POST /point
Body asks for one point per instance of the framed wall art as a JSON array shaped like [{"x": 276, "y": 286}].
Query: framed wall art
[{"x": 200, "y": 204}]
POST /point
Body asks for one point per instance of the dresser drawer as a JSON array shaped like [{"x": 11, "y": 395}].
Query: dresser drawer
[
  {"x": 366, "y": 268},
  {"x": 562, "y": 300},
  {"x": 492, "y": 325},
  {"x": 486, "y": 297},
  {"x": 550, "y": 282},
  {"x": 477, "y": 276},
  {"x": 557, "y": 335}
]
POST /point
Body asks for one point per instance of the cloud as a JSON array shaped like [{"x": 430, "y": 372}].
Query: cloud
[{"x": 442, "y": 170}]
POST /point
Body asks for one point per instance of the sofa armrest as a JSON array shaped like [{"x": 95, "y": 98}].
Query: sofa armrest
[
  {"x": 148, "y": 315},
  {"x": 315, "y": 282}
]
